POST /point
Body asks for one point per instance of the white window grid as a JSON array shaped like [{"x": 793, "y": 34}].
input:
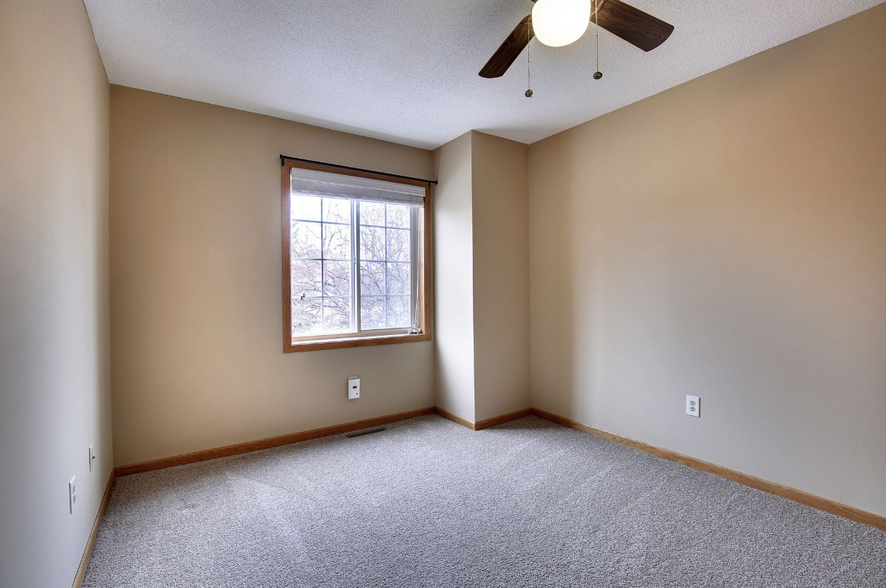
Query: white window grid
[{"x": 355, "y": 329}]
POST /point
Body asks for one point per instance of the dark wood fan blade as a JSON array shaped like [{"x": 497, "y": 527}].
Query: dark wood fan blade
[
  {"x": 632, "y": 24},
  {"x": 510, "y": 50}
]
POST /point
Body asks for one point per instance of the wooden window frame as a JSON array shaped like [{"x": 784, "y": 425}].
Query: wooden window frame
[{"x": 425, "y": 289}]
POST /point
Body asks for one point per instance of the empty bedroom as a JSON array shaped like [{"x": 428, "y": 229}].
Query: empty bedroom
[{"x": 487, "y": 293}]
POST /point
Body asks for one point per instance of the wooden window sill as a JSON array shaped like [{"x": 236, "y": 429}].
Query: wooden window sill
[{"x": 296, "y": 346}]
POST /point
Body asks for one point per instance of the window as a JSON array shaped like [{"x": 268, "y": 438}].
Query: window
[{"x": 354, "y": 251}]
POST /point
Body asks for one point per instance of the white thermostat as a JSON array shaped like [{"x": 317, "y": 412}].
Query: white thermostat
[{"x": 353, "y": 388}]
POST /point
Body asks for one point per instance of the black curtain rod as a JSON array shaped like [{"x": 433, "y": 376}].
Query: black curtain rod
[{"x": 369, "y": 171}]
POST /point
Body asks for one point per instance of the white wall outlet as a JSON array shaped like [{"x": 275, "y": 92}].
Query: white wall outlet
[
  {"x": 353, "y": 388},
  {"x": 72, "y": 494},
  {"x": 693, "y": 406},
  {"x": 91, "y": 457}
]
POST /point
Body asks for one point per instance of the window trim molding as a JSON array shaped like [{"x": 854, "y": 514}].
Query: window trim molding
[{"x": 425, "y": 273}]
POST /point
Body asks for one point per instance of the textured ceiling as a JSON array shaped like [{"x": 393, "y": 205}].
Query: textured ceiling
[{"x": 407, "y": 70}]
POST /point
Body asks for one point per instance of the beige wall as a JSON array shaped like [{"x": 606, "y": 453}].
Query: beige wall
[
  {"x": 454, "y": 278},
  {"x": 501, "y": 275},
  {"x": 482, "y": 276},
  {"x": 726, "y": 239},
  {"x": 54, "y": 378},
  {"x": 196, "y": 309}
]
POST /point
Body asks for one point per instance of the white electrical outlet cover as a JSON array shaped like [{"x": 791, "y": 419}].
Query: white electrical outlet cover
[{"x": 693, "y": 406}]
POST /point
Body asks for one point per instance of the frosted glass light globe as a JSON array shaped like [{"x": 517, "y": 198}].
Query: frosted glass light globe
[{"x": 560, "y": 22}]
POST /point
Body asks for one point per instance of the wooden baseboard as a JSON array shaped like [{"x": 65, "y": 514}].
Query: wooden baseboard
[
  {"x": 829, "y": 506},
  {"x": 511, "y": 416},
  {"x": 168, "y": 462},
  {"x": 87, "y": 553},
  {"x": 485, "y": 423},
  {"x": 454, "y": 418}
]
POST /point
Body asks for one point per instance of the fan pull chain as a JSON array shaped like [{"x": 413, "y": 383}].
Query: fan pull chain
[
  {"x": 528, "y": 71},
  {"x": 597, "y": 74}
]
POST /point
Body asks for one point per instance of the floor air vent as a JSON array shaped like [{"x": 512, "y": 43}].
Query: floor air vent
[{"x": 362, "y": 432}]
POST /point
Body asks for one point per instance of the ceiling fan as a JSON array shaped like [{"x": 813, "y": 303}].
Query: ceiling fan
[{"x": 560, "y": 22}]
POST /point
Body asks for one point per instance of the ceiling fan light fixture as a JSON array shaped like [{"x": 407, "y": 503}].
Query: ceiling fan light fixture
[{"x": 558, "y": 23}]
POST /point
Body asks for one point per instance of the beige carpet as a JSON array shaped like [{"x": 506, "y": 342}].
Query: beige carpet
[{"x": 429, "y": 503}]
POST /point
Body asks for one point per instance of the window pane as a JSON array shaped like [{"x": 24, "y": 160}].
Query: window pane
[
  {"x": 372, "y": 278},
  {"x": 305, "y": 276},
  {"x": 398, "y": 245},
  {"x": 322, "y": 270},
  {"x": 336, "y": 242},
  {"x": 336, "y": 210},
  {"x": 372, "y": 312},
  {"x": 305, "y": 240},
  {"x": 336, "y": 278},
  {"x": 372, "y": 243},
  {"x": 304, "y": 208},
  {"x": 336, "y": 314},
  {"x": 372, "y": 214},
  {"x": 398, "y": 279},
  {"x": 305, "y": 317},
  {"x": 398, "y": 216},
  {"x": 398, "y": 311}
]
